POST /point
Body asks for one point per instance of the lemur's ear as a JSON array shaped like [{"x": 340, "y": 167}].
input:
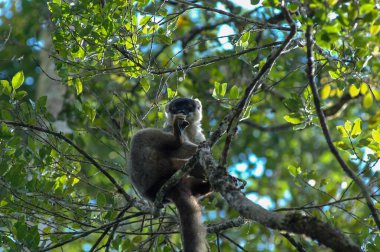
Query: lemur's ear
[
  {"x": 198, "y": 103},
  {"x": 167, "y": 107}
]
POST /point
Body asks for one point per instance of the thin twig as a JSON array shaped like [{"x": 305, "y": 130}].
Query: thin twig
[
  {"x": 240, "y": 18},
  {"x": 294, "y": 242},
  {"x": 120, "y": 189},
  {"x": 84, "y": 234}
]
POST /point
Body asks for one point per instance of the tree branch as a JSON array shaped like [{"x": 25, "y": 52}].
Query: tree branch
[
  {"x": 322, "y": 120},
  {"x": 324, "y": 233},
  {"x": 230, "y": 122}
]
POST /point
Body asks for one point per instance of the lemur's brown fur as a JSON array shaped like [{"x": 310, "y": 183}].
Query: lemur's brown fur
[{"x": 156, "y": 154}]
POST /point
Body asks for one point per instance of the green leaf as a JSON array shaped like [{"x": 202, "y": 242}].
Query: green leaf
[
  {"x": 332, "y": 2},
  {"x": 255, "y": 2},
  {"x": 215, "y": 92},
  {"x": 101, "y": 200},
  {"x": 33, "y": 237},
  {"x": 293, "y": 7},
  {"x": 234, "y": 92},
  {"x": 294, "y": 103},
  {"x": 367, "y": 100},
  {"x": 342, "y": 145},
  {"x": 342, "y": 131},
  {"x": 91, "y": 114},
  {"x": 145, "y": 20},
  {"x": 293, "y": 118},
  {"x": 223, "y": 90},
  {"x": 294, "y": 171},
  {"x": 145, "y": 85},
  {"x": 364, "y": 142},
  {"x": 41, "y": 102},
  {"x": 6, "y": 87},
  {"x": 219, "y": 90},
  {"x": 17, "y": 80},
  {"x": 5, "y": 131},
  {"x": 374, "y": 29},
  {"x": 323, "y": 182},
  {"x": 348, "y": 126},
  {"x": 21, "y": 230},
  {"x": 371, "y": 16},
  {"x": 170, "y": 92},
  {"x": 334, "y": 75},
  {"x": 163, "y": 39},
  {"x": 325, "y": 92},
  {"x": 244, "y": 40},
  {"x": 78, "y": 86},
  {"x": 356, "y": 129},
  {"x": 363, "y": 88},
  {"x": 376, "y": 136},
  {"x": 353, "y": 90},
  {"x": 20, "y": 94}
]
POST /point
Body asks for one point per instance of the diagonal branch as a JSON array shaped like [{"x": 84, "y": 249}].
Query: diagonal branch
[
  {"x": 322, "y": 120},
  {"x": 230, "y": 122},
  {"x": 234, "y": 115}
]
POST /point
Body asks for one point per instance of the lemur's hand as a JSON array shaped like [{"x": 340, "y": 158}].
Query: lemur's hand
[{"x": 180, "y": 122}]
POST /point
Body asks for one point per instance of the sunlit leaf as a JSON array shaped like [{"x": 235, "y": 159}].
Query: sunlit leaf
[
  {"x": 245, "y": 37},
  {"x": 353, "y": 90},
  {"x": 215, "y": 92},
  {"x": 17, "y": 80},
  {"x": 145, "y": 85},
  {"x": 339, "y": 92},
  {"x": 325, "y": 92},
  {"x": 171, "y": 93},
  {"x": 374, "y": 29},
  {"x": 334, "y": 74},
  {"x": 294, "y": 171},
  {"x": 348, "y": 126},
  {"x": 223, "y": 89},
  {"x": 78, "y": 86},
  {"x": 367, "y": 100},
  {"x": 363, "y": 88},
  {"x": 293, "y": 118},
  {"x": 331, "y": 2},
  {"x": 342, "y": 131},
  {"x": 376, "y": 136},
  {"x": 356, "y": 129},
  {"x": 234, "y": 93}
]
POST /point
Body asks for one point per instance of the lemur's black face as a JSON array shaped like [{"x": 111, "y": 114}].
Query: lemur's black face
[{"x": 182, "y": 106}]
